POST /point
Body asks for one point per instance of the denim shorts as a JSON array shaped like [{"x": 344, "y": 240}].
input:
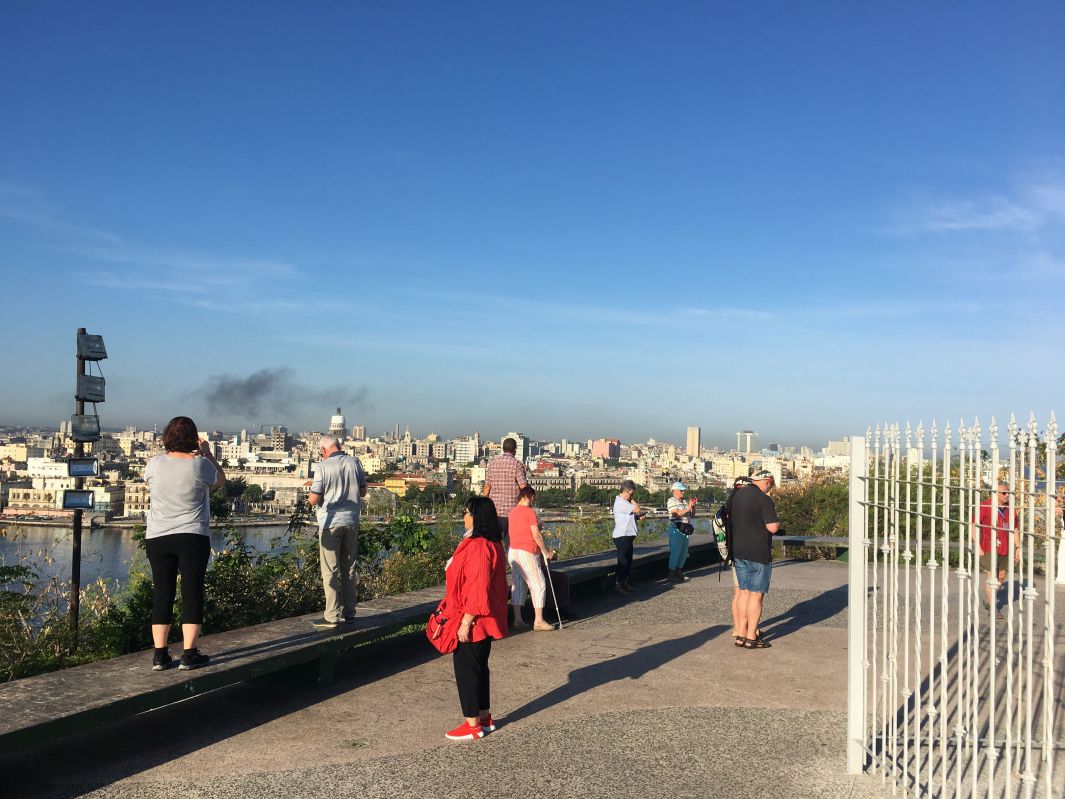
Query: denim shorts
[{"x": 753, "y": 576}]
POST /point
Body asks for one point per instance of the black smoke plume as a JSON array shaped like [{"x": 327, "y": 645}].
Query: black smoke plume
[{"x": 274, "y": 391}]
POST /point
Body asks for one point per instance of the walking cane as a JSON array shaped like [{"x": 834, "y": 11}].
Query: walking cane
[{"x": 550, "y": 582}]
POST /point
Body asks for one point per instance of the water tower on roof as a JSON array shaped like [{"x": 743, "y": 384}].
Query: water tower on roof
[{"x": 337, "y": 425}]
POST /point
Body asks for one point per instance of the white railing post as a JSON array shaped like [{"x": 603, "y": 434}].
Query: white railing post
[{"x": 857, "y": 556}]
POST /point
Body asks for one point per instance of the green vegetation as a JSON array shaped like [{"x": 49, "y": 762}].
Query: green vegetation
[
  {"x": 817, "y": 507},
  {"x": 592, "y": 533},
  {"x": 245, "y": 587},
  {"x": 590, "y": 495}
]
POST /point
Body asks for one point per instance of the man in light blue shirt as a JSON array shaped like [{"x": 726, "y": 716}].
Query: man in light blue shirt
[{"x": 336, "y": 494}]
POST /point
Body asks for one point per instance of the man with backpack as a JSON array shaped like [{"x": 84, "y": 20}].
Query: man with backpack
[
  {"x": 724, "y": 519},
  {"x": 754, "y": 521}
]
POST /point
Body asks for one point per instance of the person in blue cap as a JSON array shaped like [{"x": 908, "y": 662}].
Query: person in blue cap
[{"x": 680, "y": 527}]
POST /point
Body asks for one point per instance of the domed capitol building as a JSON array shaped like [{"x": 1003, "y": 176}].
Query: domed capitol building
[{"x": 338, "y": 424}]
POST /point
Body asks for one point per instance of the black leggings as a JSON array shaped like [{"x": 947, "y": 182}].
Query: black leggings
[
  {"x": 188, "y": 554},
  {"x": 624, "y": 547},
  {"x": 471, "y": 676}
]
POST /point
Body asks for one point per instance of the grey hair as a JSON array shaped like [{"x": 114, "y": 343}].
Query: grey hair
[
  {"x": 628, "y": 485},
  {"x": 328, "y": 441}
]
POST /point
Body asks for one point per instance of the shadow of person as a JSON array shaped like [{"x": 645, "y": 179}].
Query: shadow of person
[
  {"x": 630, "y": 666},
  {"x": 810, "y": 611}
]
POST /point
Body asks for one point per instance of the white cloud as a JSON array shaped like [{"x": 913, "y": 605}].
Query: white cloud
[
  {"x": 164, "y": 259},
  {"x": 43, "y": 221},
  {"x": 1038, "y": 205},
  {"x": 987, "y": 213}
]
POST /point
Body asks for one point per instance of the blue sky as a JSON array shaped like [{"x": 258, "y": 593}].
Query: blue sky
[{"x": 571, "y": 219}]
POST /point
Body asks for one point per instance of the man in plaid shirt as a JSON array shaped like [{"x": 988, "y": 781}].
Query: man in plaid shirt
[{"x": 503, "y": 479}]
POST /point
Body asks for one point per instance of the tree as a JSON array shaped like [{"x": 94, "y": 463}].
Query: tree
[
  {"x": 235, "y": 487},
  {"x": 554, "y": 498},
  {"x": 219, "y": 504},
  {"x": 253, "y": 493}
]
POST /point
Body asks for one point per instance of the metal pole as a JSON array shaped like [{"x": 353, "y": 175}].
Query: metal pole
[
  {"x": 857, "y": 616},
  {"x": 75, "y": 554}
]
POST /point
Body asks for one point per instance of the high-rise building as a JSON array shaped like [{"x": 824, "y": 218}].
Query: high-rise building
[
  {"x": 523, "y": 445},
  {"x": 358, "y": 432},
  {"x": 279, "y": 439},
  {"x": 606, "y": 448},
  {"x": 694, "y": 443},
  {"x": 745, "y": 441}
]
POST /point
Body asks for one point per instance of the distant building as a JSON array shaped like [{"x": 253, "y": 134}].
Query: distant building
[
  {"x": 694, "y": 442},
  {"x": 745, "y": 441},
  {"x": 837, "y": 448},
  {"x": 358, "y": 432},
  {"x": 523, "y": 445},
  {"x": 20, "y": 453},
  {"x": 606, "y": 448},
  {"x": 543, "y": 482},
  {"x": 280, "y": 441},
  {"x": 137, "y": 503},
  {"x": 466, "y": 450}
]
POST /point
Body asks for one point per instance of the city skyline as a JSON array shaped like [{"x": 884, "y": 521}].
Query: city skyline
[
  {"x": 795, "y": 221},
  {"x": 399, "y": 430}
]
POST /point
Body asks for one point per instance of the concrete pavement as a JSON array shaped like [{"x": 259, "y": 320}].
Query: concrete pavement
[{"x": 642, "y": 696}]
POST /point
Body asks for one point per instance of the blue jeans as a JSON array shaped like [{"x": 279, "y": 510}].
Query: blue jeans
[
  {"x": 752, "y": 576},
  {"x": 678, "y": 548}
]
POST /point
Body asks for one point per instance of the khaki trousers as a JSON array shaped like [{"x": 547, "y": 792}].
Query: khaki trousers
[{"x": 338, "y": 548}]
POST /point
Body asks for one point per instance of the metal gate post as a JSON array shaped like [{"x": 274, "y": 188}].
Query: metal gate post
[{"x": 857, "y": 616}]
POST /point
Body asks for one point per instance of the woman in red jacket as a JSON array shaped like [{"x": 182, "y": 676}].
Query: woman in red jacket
[{"x": 476, "y": 582}]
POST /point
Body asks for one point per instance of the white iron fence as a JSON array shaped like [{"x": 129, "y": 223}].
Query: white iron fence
[{"x": 955, "y": 675}]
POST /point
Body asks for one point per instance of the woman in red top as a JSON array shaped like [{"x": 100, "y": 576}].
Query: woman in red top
[
  {"x": 526, "y": 547},
  {"x": 476, "y": 581}
]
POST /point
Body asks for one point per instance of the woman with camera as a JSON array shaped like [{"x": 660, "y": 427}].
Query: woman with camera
[
  {"x": 178, "y": 536},
  {"x": 680, "y": 527}
]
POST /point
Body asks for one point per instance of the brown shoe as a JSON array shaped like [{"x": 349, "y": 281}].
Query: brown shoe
[
  {"x": 543, "y": 627},
  {"x": 619, "y": 588}
]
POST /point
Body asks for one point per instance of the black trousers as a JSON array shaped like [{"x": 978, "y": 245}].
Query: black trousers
[
  {"x": 472, "y": 676},
  {"x": 624, "y": 546},
  {"x": 186, "y": 554}
]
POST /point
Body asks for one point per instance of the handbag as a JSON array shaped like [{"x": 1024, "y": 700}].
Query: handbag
[
  {"x": 685, "y": 527},
  {"x": 442, "y": 629}
]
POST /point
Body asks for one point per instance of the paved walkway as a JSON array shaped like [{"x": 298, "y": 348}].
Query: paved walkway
[{"x": 644, "y": 696}]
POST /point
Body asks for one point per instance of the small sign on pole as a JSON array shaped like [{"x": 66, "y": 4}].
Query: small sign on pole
[{"x": 83, "y": 428}]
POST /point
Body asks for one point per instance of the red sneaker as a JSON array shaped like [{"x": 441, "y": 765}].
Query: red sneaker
[
  {"x": 487, "y": 724},
  {"x": 464, "y": 732}
]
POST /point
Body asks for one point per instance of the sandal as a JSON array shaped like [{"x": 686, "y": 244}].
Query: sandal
[
  {"x": 738, "y": 640},
  {"x": 756, "y": 643}
]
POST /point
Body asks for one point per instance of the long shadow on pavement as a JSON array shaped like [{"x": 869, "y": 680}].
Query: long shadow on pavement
[
  {"x": 72, "y": 766},
  {"x": 810, "y": 611},
  {"x": 631, "y": 666}
]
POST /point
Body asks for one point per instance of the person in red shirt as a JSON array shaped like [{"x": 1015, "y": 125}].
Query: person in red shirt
[
  {"x": 476, "y": 584},
  {"x": 981, "y": 532},
  {"x": 526, "y": 547}
]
